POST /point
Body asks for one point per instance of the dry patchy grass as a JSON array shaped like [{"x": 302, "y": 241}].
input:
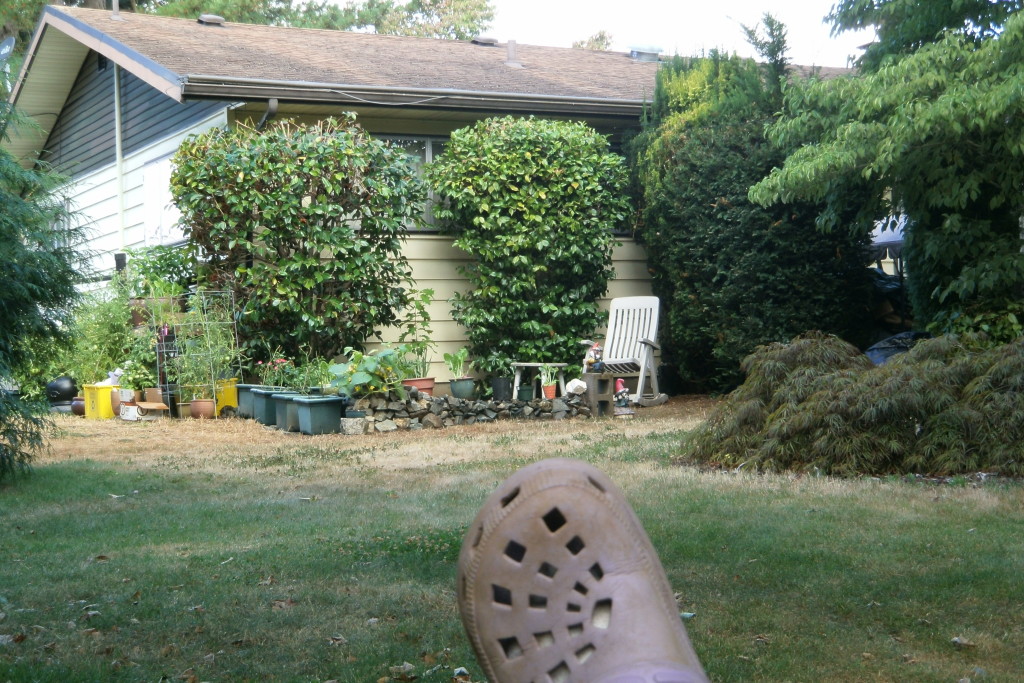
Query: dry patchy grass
[
  {"x": 286, "y": 541},
  {"x": 233, "y": 446}
]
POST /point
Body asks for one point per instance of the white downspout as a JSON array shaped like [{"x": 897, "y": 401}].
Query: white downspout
[{"x": 119, "y": 153}]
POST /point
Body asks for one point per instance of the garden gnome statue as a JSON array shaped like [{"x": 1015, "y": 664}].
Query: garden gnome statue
[
  {"x": 592, "y": 362},
  {"x": 621, "y": 397},
  {"x": 621, "y": 393}
]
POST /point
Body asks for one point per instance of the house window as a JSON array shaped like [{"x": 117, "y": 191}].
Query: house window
[
  {"x": 162, "y": 216},
  {"x": 422, "y": 150}
]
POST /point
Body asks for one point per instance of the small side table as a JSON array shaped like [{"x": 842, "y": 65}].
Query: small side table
[{"x": 519, "y": 367}]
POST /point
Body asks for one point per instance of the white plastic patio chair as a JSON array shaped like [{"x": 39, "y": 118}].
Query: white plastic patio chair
[{"x": 630, "y": 345}]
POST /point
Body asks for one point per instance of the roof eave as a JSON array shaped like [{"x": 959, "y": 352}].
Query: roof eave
[
  {"x": 197, "y": 86},
  {"x": 57, "y": 38}
]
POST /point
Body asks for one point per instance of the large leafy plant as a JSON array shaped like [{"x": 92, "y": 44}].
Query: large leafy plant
[
  {"x": 378, "y": 371},
  {"x": 534, "y": 203},
  {"x": 306, "y": 223}
]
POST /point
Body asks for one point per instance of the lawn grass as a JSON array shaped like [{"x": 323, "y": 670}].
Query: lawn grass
[{"x": 223, "y": 552}]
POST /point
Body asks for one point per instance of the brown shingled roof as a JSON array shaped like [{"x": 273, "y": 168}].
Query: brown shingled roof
[{"x": 194, "y": 53}]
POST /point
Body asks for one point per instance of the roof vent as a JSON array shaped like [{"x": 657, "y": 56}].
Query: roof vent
[
  {"x": 646, "y": 53},
  {"x": 513, "y": 56},
  {"x": 210, "y": 20},
  {"x": 486, "y": 41}
]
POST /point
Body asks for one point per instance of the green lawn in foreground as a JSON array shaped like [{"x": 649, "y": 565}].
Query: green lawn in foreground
[{"x": 282, "y": 571}]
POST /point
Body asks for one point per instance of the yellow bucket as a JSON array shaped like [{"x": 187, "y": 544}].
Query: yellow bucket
[
  {"x": 226, "y": 394},
  {"x": 97, "y": 401}
]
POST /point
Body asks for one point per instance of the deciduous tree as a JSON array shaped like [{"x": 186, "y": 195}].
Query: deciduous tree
[
  {"x": 903, "y": 26},
  {"x": 602, "y": 40},
  {"x": 934, "y": 135}
]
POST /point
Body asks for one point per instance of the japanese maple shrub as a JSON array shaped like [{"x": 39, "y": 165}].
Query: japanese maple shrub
[
  {"x": 535, "y": 203},
  {"x": 306, "y": 223}
]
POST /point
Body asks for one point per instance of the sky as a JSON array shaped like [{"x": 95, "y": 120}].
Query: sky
[{"x": 686, "y": 27}]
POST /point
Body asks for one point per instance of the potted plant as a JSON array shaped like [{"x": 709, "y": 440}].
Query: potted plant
[
  {"x": 499, "y": 369},
  {"x": 416, "y": 357},
  {"x": 416, "y": 345},
  {"x": 362, "y": 374},
  {"x": 272, "y": 373},
  {"x": 548, "y": 374},
  {"x": 139, "y": 367},
  {"x": 208, "y": 355},
  {"x": 313, "y": 377},
  {"x": 136, "y": 378},
  {"x": 191, "y": 372},
  {"x": 461, "y": 385}
]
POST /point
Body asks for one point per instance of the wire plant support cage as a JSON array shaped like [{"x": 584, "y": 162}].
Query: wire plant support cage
[{"x": 197, "y": 347}]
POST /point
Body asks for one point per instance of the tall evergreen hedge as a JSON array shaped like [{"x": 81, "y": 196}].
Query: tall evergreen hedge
[{"x": 733, "y": 275}]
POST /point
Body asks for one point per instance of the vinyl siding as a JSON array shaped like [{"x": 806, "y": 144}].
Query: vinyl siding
[
  {"x": 96, "y": 198},
  {"x": 435, "y": 264},
  {"x": 82, "y": 140}
]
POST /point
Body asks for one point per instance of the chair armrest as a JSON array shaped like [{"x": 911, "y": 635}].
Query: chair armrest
[{"x": 651, "y": 343}]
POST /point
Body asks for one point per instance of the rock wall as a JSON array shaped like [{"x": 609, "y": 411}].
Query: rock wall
[{"x": 387, "y": 413}]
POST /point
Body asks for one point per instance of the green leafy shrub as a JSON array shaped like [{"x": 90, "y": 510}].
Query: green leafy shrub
[
  {"x": 534, "y": 203},
  {"x": 160, "y": 270},
  {"x": 306, "y": 224},
  {"x": 1000, "y": 324},
  {"x": 379, "y": 371},
  {"x": 102, "y": 335},
  {"x": 732, "y": 275},
  {"x": 924, "y": 134},
  {"x": 140, "y": 364},
  {"x": 951, "y": 405}
]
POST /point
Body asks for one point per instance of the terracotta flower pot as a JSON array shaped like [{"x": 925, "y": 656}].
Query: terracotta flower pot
[
  {"x": 549, "y": 390},
  {"x": 424, "y": 384},
  {"x": 203, "y": 408}
]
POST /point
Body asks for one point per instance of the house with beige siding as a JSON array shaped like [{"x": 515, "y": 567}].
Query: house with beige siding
[{"x": 113, "y": 94}]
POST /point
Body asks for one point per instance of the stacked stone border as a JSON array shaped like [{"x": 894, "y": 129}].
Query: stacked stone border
[{"x": 391, "y": 412}]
